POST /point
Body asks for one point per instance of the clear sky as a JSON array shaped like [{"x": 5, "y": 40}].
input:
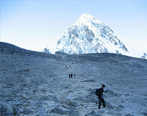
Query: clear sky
[{"x": 35, "y": 24}]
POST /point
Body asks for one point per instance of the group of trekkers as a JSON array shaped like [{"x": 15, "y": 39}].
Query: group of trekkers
[{"x": 70, "y": 75}]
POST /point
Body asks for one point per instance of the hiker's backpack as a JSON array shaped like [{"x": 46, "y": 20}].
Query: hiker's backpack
[{"x": 97, "y": 92}]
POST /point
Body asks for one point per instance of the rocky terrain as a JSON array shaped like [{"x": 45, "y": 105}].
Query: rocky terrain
[{"x": 37, "y": 84}]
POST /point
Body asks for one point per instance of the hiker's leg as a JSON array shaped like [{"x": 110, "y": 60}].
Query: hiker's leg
[
  {"x": 100, "y": 100},
  {"x": 103, "y": 102}
]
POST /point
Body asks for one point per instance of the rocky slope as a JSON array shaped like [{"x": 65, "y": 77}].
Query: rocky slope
[{"x": 37, "y": 84}]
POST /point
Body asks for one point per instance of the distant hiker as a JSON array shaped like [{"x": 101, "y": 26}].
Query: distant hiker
[
  {"x": 69, "y": 75},
  {"x": 99, "y": 93}
]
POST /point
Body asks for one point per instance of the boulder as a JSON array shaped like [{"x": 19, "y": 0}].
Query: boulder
[
  {"x": 93, "y": 113},
  {"x": 5, "y": 109}
]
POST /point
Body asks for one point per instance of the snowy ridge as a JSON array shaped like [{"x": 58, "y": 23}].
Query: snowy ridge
[
  {"x": 90, "y": 35},
  {"x": 136, "y": 49}
]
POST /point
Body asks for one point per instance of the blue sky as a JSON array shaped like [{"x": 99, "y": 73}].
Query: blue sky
[{"x": 35, "y": 24}]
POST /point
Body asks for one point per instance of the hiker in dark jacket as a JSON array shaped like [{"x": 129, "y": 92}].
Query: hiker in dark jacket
[{"x": 101, "y": 99}]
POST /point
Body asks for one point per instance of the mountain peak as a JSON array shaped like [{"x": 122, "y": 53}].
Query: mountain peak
[
  {"x": 90, "y": 35},
  {"x": 86, "y": 18}
]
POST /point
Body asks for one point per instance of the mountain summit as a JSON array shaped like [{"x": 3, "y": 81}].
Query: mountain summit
[{"x": 90, "y": 35}]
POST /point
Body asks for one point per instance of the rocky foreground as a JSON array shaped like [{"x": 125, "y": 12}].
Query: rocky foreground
[{"x": 37, "y": 84}]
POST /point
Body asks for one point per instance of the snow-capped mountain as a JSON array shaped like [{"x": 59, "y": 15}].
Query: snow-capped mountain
[{"x": 90, "y": 35}]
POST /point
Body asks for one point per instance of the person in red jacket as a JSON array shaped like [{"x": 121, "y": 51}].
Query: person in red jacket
[{"x": 101, "y": 99}]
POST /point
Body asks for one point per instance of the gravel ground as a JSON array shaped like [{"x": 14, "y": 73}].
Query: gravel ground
[{"x": 37, "y": 84}]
